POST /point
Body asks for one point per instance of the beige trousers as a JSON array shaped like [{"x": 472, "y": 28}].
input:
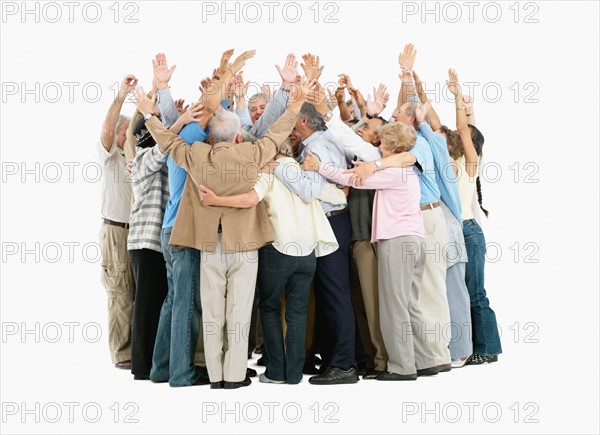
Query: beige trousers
[
  {"x": 227, "y": 284},
  {"x": 433, "y": 299},
  {"x": 365, "y": 298},
  {"x": 117, "y": 279}
]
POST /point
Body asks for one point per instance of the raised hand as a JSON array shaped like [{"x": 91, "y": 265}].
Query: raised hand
[
  {"x": 239, "y": 87},
  {"x": 406, "y": 59},
  {"x": 298, "y": 94},
  {"x": 223, "y": 64},
  {"x": 266, "y": 89},
  {"x": 311, "y": 66},
  {"x": 205, "y": 85},
  {"x": 289, "y": 72},
  {"x": 179, "y": 106},
  {"x": 162, "y": 73},
  {"x": 143, "y": 103},
  {"x": 452, "y": 83},
  {"x": 128, "y": 84},
  {"x": 344, "y": 80},
  {"x": 421, "y": 111},
  {"x": 317, "y": 97},
  {"x": 192, "y": 114},
  {"x": 380, "y": 99},
  {"x": 240, "y": 61},
  {"x": 332, "y": 98}
]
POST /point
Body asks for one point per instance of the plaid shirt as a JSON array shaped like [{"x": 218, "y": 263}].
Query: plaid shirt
[{"x": 150, "y": 184}]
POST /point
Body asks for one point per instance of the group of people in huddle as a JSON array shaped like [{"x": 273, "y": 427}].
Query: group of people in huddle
[{"x": 352, "y": 240}]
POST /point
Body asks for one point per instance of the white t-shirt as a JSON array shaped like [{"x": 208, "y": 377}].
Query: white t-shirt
[{"x": 116, "y": 184}]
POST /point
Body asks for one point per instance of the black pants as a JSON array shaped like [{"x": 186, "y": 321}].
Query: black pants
[
  {"x": 333, "y": 301},
  {"x": 150, "y": 275}
]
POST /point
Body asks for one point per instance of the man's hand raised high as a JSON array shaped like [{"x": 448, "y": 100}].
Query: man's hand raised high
[{"x": 162, "y": 73}]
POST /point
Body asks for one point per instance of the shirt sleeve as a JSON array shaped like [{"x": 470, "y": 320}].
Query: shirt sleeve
[
  {"x": 306, "y": 184},
  {"x": 262, "y": 186},
  {"x": 166, "y": 107},
  {"x": 105, "y": 155},
  {"x": 244, "y": 116},
  {"x": 383, "y": 179},
  {"x": 272, "y": 112},
  {"x": 147, "y": 163},
  {"x": 351, "y": 143}
]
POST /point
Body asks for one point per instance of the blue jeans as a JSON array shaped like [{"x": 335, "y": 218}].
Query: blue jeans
[
  {"x": 179, "y": 323},
  {"x": 277, "y": 271},
  {"x": 486, "y": 339}
]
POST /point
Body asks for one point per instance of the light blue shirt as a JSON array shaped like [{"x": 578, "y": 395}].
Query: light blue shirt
[
  {"x": 308, "y": 184},
  {"x": 190, "y": 133},
  {"x": 430, "y": 192}
]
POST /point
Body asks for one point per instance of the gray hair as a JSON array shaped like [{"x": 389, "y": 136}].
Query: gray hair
[
  {"x": 314, "y": 118},
  {"x": 259, "y": 96},
  {"x": 225, "y": 126},
  {"x": 120, "y": 121}
]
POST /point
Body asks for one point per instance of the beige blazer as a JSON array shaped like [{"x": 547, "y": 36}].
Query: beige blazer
[{"x": 227, "y": 169}]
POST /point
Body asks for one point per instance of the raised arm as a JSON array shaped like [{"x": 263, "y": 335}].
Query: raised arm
[
  {"x": 275, "y": 108},
  {"x": 434, "y": 119},
  {"x": 131, "y": 141},
  {"x": 162, "y": 76},
  {"x": 469, "y": 109},
  {"x": 107, "y": 135},
  {"x": 406, "y": 59},
  {"x": 168, "y": 141},
  {"x": 462, "y": 125}
]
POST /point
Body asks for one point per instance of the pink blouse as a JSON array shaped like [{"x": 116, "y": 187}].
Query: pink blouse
[{"x": 396, "y": 209}]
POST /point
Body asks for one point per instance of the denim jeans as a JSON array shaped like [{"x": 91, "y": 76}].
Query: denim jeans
[
  {"x": 486, "y": 339},
  {"x": 276, "y": 272},
  {"x": 179, "y": 323}
]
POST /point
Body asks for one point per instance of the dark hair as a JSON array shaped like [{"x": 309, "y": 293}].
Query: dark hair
[
  {"x": 478, "y": 140},
  {"x": 453, "y": 140}
]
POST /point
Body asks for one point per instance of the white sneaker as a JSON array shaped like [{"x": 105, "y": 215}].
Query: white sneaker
[
  {"x": 460, "y": 362},
  {"x": 263, "y": 378}
]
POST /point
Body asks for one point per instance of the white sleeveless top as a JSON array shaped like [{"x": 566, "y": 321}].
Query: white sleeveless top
[{"x": 466, "y": 189}]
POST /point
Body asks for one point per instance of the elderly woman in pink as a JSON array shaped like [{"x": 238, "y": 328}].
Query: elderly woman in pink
[{"x": 398, "y": 231}]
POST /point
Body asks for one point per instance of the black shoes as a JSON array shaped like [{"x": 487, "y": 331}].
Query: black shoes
[
  {"x": 261, "y": 361},
  {"x": 389, "y": 376},
  {"x": 334, "y": 376},
  {"x": 233, "y": 385},
  {"x": 430, "y": 371},
  {"x": 372, "y": 374},
  {"x": 251, "y": 373},
  {"x": 477, "y": 359},
  {"x": 217, "y": 385}
]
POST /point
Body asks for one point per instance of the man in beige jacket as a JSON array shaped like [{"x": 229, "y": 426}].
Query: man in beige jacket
[{"x": 228, "y": 238}]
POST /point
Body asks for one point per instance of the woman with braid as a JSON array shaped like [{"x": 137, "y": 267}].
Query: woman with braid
[{"x": 486, "y": 339}]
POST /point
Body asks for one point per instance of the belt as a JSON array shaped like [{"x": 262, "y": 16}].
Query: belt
[
  {"x": 116, "y": 224},
  {"x": 430, "y": 206},
  {"x": 336, "y": 212}
]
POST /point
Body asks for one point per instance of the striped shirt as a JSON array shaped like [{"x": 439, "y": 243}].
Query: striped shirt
[{"x": 150, "y": 184}]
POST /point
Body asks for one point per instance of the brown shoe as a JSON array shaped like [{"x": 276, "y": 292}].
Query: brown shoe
[
  {"x": 124, "y": 365},
  {"x": 444, "y": 368}
]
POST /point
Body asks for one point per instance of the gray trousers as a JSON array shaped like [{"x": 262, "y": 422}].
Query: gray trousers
[
  {"x": 461, "y": 344},
  {"x": 401, "y": 262}
]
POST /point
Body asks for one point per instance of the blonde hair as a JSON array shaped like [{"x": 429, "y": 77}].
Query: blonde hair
[{"x": 397, "y": 137}]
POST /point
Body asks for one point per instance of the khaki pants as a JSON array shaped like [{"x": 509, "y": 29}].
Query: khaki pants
[
  {"x": 433, "y": 300},
  {"x": 227, "y": 284},
  {"x": 365, "y": 298},
  {"x": 117, "y": 279}
]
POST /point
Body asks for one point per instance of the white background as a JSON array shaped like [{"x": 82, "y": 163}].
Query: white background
[{"x": 544, "y": 290}]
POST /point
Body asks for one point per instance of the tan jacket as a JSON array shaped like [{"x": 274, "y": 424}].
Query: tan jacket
[{"x": 227, "y": 169}]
